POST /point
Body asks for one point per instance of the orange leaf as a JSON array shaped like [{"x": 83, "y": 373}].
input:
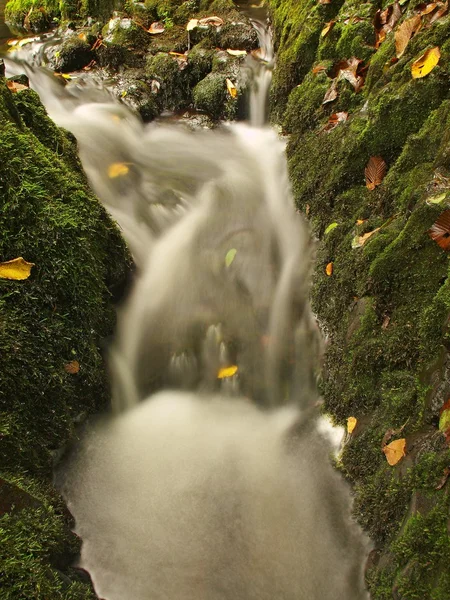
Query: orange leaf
[
  {"x": 375, "y": 172},
  {"x": 156, "y": 27},
  {"x": 332, "y": 93},
  {"x": 318, "y": 69},
  {"x": 351, "y": 424},
  {"x": 395, "y": 451},
  {"x": 324, "y": 1},
  {"x": 232, "y": 89},
  {"x": 425, "y": 63},
  {"x": 329, "y": 269},
  {"x": 404, "y": 33},
  {"x": 440, "y": 230},
  {"x": 15, "y": 87},
  {"x": 334, "y": 120},
  {"x": 328, "y": 27},
  {"x": 426, "y": 9},
  {"x": 440, "y": 13},
  {"x": 227, "y": 372},
  {"x": 360, "y": 240},
  {"x": 72, "y": 367}
]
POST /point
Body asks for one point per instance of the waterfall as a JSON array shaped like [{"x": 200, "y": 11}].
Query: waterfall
[{"x": 210, "y": 480}]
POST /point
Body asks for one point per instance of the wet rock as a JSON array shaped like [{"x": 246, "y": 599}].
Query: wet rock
[
  {"x": 126, "y": 33},
  {"x": 2, "y": 68},
  {"x": 74, "y": 54},
  {"x": 210, "y": 95}
]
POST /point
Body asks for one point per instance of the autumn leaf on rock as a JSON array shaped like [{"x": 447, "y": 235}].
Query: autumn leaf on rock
[
  {"x": 359, "y": 240},
  {"x": 328, "y": 27},
  {"x": 404, "y": 33},
  {"x": 426, "y": 9},
  {"x": 324, "y": 1},
  {"x": 395, "y": 451},
  {"x": 443, "y": 481},
  {"x": 385, "y": 21},
  {"x": 334, "y": 120},
  {"x": 330, "y": 228},
  {"x": 72, "y": 367},
  {"x": 374, "y": 172},
  {"x": 17, "y": 269},
  {"x": 444, "y": 417},
  {"x": 156, "y": 27},
  {"x": 332, "y": 93},
  {"x": 318, "y": 69},
  {"x": 237, "y": 53},
  {"x": 443, "y": 10},
  {"x": 329, "y": 269},
  {"x": 351, "y": 424},
  {"x": 15, "y": 87},
  {"x": 426, "y": 63},
  {"x": 215, "y": 21},
  {"x": 227, "y": 372},
  {"x": 232, "y": 89},
  {"x": 117, "y": 170},
  {"x": 440, "y": 230},
  {"x": 352, "y": 70}
]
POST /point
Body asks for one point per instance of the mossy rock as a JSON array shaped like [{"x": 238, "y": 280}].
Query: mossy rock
[
  {"x": 125, "y": 33},
  {"x": 58, "y": 315},
  {"x": 73, "y": 54},
  {"x": 211, "y": 96}
]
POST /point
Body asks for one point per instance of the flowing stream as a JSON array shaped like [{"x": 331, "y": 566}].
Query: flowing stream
[{"x": 211, "y": 480}]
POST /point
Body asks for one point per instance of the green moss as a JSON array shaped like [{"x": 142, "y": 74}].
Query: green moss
[{"x": 210, "y": 95}]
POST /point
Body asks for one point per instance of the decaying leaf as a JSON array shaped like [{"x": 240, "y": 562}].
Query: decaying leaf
[
  {"x": 385, "y": 21},
  {"x": 443, "y": 481},
  {"x": 425, "y": 9},
  {"x": 225, "y": 372},
  {"x": 360, "y": 221},
  {"x": 328, "y": 27},
  {"x": 334, "y": 120},
  {"x": 230, "y": 256},
  {"x": 192, "y": 24},
  {"x": 332, "y": 93},
  {"x": 390, "y": 433},
  {"x": 440, "y": 230},
  {"x": 375, "y": 172},
  {"x": 237, "y": 52},
  {"x": 386, "y": 321},
  {"x": 395, "y": 451},
  {"x": 443, "y": 10},
  {"x": 330, "y": 227},
  {"x": 405, "y": 32},
  {"x": 117, "y": 170},
  {"x": 425, "y": 63},
  {"x": 353, "y": 70},
  {"x": 15, "y": 87},
  {"x": 215, "y": 21},
  {"x": 318, "y": 69},
  {"x": 351, "y": 424},
  {"x": 329, "y": 269},
  {"x": 232, "y": 89},
  {"x": 360, "y": 240},
  {"x": 324, "y": 1},
  {"x": 72, "y": 367},
  {"x": 17, "y": 269},
  {"x": 156, "y": 27}
]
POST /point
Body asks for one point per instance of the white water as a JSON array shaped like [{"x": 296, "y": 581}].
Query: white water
[{"x": 212, "y": 489}]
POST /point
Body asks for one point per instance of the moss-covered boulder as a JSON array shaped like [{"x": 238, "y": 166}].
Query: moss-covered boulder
[
  {"x": 51, "y": 330},
  {"x": 385, "y": 304},
  {"x": 74, "y": 54}
]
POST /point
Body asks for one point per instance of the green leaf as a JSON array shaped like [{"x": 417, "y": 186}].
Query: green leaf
[
  {"x": 230, "y": 256},
  {"x": 435, "y": 199},
  {"x": 330, "y": 228}
]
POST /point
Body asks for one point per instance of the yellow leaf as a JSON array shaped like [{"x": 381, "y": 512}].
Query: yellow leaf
[
  {"x": 426, "y": 63},
  {"x": 18, "y": 269},
  {"x": 328, "y": 27},
  {"x": 395, "y": 451},
  {"x": 361, "y": 221},
  {"x": 237, "y": 52},
  {"x": 351, "y": 424},
  {"x": 192, "y": 24},
  {"x": 329, "y": 269},
  {"x": 360, "y": 240},
  {"x": 227, "y": 372},
  {"x": 232, "y": 90},
  {"x": 117, "y": 170}
]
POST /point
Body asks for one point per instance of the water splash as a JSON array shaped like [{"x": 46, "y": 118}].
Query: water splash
[{"x": 220, "y": 488}]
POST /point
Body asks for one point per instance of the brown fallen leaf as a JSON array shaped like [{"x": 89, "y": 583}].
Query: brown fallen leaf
[
  {"x": 328, "y": 27},
  {"x": 215, "y": 21},
  {"x": 440, "y": 230},
  {"x": 425, "y": 63},
  {"x": 351, "y": 424},
  {"x": 425, "y": 9},
  {"x": 156, "y": 28},
  {"x": 386, "y": 321},
  {"x": 405, "y": 32},
  {"x": 15, "y": 87},
  {"x": 17, "y": 269},
  {"x": 375, "y": 172},
  {"x": 443, "y": 10},
  {"x": 395, "y": 451},
  {"x": 385, "y": 21},
  {"x": 324, "y": 1},
  {"x": 352, "y": 70},
  {"x": 227, "y": 372},
  {"x": 443, "y": 481},
  {"x": 332, "y": 93},
  {"x": 359, "y": 240},
  {"x": 390, "y": 433},
  {"x": 318, "y": 69},
  {"x": 334, "y": 120},
  {"x": 72, "y": 367},
  {"x": 329, "y": 269}
]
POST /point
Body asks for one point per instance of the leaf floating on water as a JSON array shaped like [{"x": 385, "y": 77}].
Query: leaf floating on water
[
  {"x": 330, "y": 228},
  {"x": 117, "y": 170},
  {"x": 328, "y": 27},
  {"x": 360, "y": 240},
  {"x": 329, "y": 269},
  {"x": 17, "y": 269},
  {"x": 425, "y": 63},
  {"x": 237, "y": 52},
  {"x": 440, "y": 230},
  {"x": 72, "y": 367},
  {"x": 156, "y": 28},
  {"x": 404, "y": 33},
  {"x": 215, "y": 21},
  {"x": 227, "y": 372},
  {"x": 15, "y": 87},
  {"x": 232, "y": 89},
  {"x": 375, "y": 172},
  {"x": 192, "y": 24},
  {"x": 351, "y": 424},
  {"x": 230, "y": 256},
  {"x": 395, "y": 451}
]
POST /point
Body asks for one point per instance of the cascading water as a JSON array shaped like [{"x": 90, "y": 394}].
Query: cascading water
[{"x": 202, "y": 487}]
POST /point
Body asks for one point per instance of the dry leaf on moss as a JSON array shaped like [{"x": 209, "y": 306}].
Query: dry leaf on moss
[
  {"x": 328, "y": 27},
  {"x": 329, "y": 269},
  {"x": 238, "y": 53},
  {"x": 360, "y": 240},
  {"x": 440, "y": 230},
  {"x": 318, "y": 69},
  {"x": 232, "y": 89},
  {"x": 15, "y": 87},
  {"x": 351, "y": 424},
  {"x": 443, "y": 481},
  {"x": 395, "y": 451},
  {"x": 227, "y": 372},
  {"x": 215, "y": 21},
  {"x": 17, "y": 269},
  {"x": 72, "y": 367},
  {"x": 334, "y": 120},
  {"x": 404, "y": 33},
  {"x": 425, "y": 63},
  {"x": 332, "y": 93},
  {"x": 375, "y": 172}
]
